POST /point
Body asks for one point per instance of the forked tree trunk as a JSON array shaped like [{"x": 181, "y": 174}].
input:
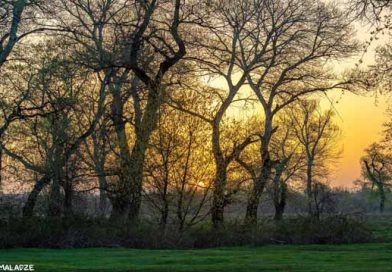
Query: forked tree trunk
[{"x": 132, "y": 164}]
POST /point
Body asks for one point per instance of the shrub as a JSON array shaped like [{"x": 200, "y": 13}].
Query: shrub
[{"x": 93, "y": 232}]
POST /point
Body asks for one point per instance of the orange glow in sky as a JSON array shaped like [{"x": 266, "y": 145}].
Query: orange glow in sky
[{"x": 360, "y": 119}]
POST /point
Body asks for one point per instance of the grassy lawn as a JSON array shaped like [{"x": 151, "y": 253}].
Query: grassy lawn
[{"x": 360, "y": 257}]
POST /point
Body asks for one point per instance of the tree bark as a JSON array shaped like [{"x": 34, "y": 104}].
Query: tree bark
[
  {"x": 55, "y": 197},
  {"x": 119, "y": 205},
  {"x": 28, "y": 208},
  {"x": 309, "y": 187},
  {"x": 218, "y": 203},
  {"x": 136, "y": 175},
  {"x": 68, "y": 196},
  {"x": 103, "y": 197},
  {"x": 280, "y": 190},
  {"x": 120, "y": 209},
  {"x": 266, "y": 167},
  {"x": 17, "y": 12},
  {"x": 281, "y": 203},
  {"x": 129, "y": 189},
  {"x": 382, "y": 199},
  {"x": 164, "y": 216}
]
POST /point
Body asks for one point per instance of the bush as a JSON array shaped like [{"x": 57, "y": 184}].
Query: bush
[
  {"x": 78, "y": 232},
  {"x": 335, "y": 229}
]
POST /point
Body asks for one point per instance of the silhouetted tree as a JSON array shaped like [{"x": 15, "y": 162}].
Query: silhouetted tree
[
  {"x": 317, "y": 132},
  {"x": 376, "y": 168}
]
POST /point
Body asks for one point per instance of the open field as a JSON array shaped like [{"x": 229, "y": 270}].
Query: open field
[{"x": 359, "y": 257}]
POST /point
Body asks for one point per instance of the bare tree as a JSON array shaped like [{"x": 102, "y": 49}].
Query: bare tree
[
  {"x": 316, "y": 132},
  {"x": 148, "y": 47},
  {"x": 302, "y": 38},
  {"x": 58, "y": 86},
  {"x": 378, "y": 16},
  {"x": 95, "y": 154},
  {"x": 371, "y": 10},
  {"x": 223, "y": 53},
  {"x": 376, "y": 168},
  {"x": 20, "y": 19},
  {"x": 178, "y": 170},
  {"x": 288, "y": 157},
  {"x": 10, "y": 19}
]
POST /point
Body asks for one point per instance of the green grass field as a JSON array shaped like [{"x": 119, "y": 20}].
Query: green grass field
[{"x": 360, "y": 257}]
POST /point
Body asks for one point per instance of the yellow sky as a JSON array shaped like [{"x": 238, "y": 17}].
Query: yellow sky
[{"x": 360, "y": 119}]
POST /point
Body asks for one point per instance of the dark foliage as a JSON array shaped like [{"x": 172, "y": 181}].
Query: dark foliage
[{"x": 77, "y": 232}]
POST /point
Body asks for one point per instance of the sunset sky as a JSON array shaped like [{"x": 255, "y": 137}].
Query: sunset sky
[
  {"x": 360, "y": 116},
  {"x": 360, "y": 119}
]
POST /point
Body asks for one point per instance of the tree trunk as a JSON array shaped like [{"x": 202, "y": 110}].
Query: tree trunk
[
  {"x": 132, "y": 165},
  {"x": 28, "y": 208},
  {"x": 218, "y": 202},
  {"x": 120, "y": 209},
  {"x": 136, "y": 174},
  {"x": 165, "y": 210},
  {"x": 261, "y": 181},
  {"x": 281, "y": 203},
  {"x": 99, "y": 158},
  {"x": 279, "y": 210},
  {"x": 382, "y": 198},
  {"x": 17, "y": 12},
  {"x": 129, "y": 189},
  {"x": 68, "y": 196},
  {"x": 55, "y": 198},
  {"x": 309, "y": 189},
  {"x": 252, "y": 207},
  {"x": 55, "y": 204},
  {"x": 119, "y": 201},
  {"x": 102, "y": 196},
  {"x": 164, "y": 216}
]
